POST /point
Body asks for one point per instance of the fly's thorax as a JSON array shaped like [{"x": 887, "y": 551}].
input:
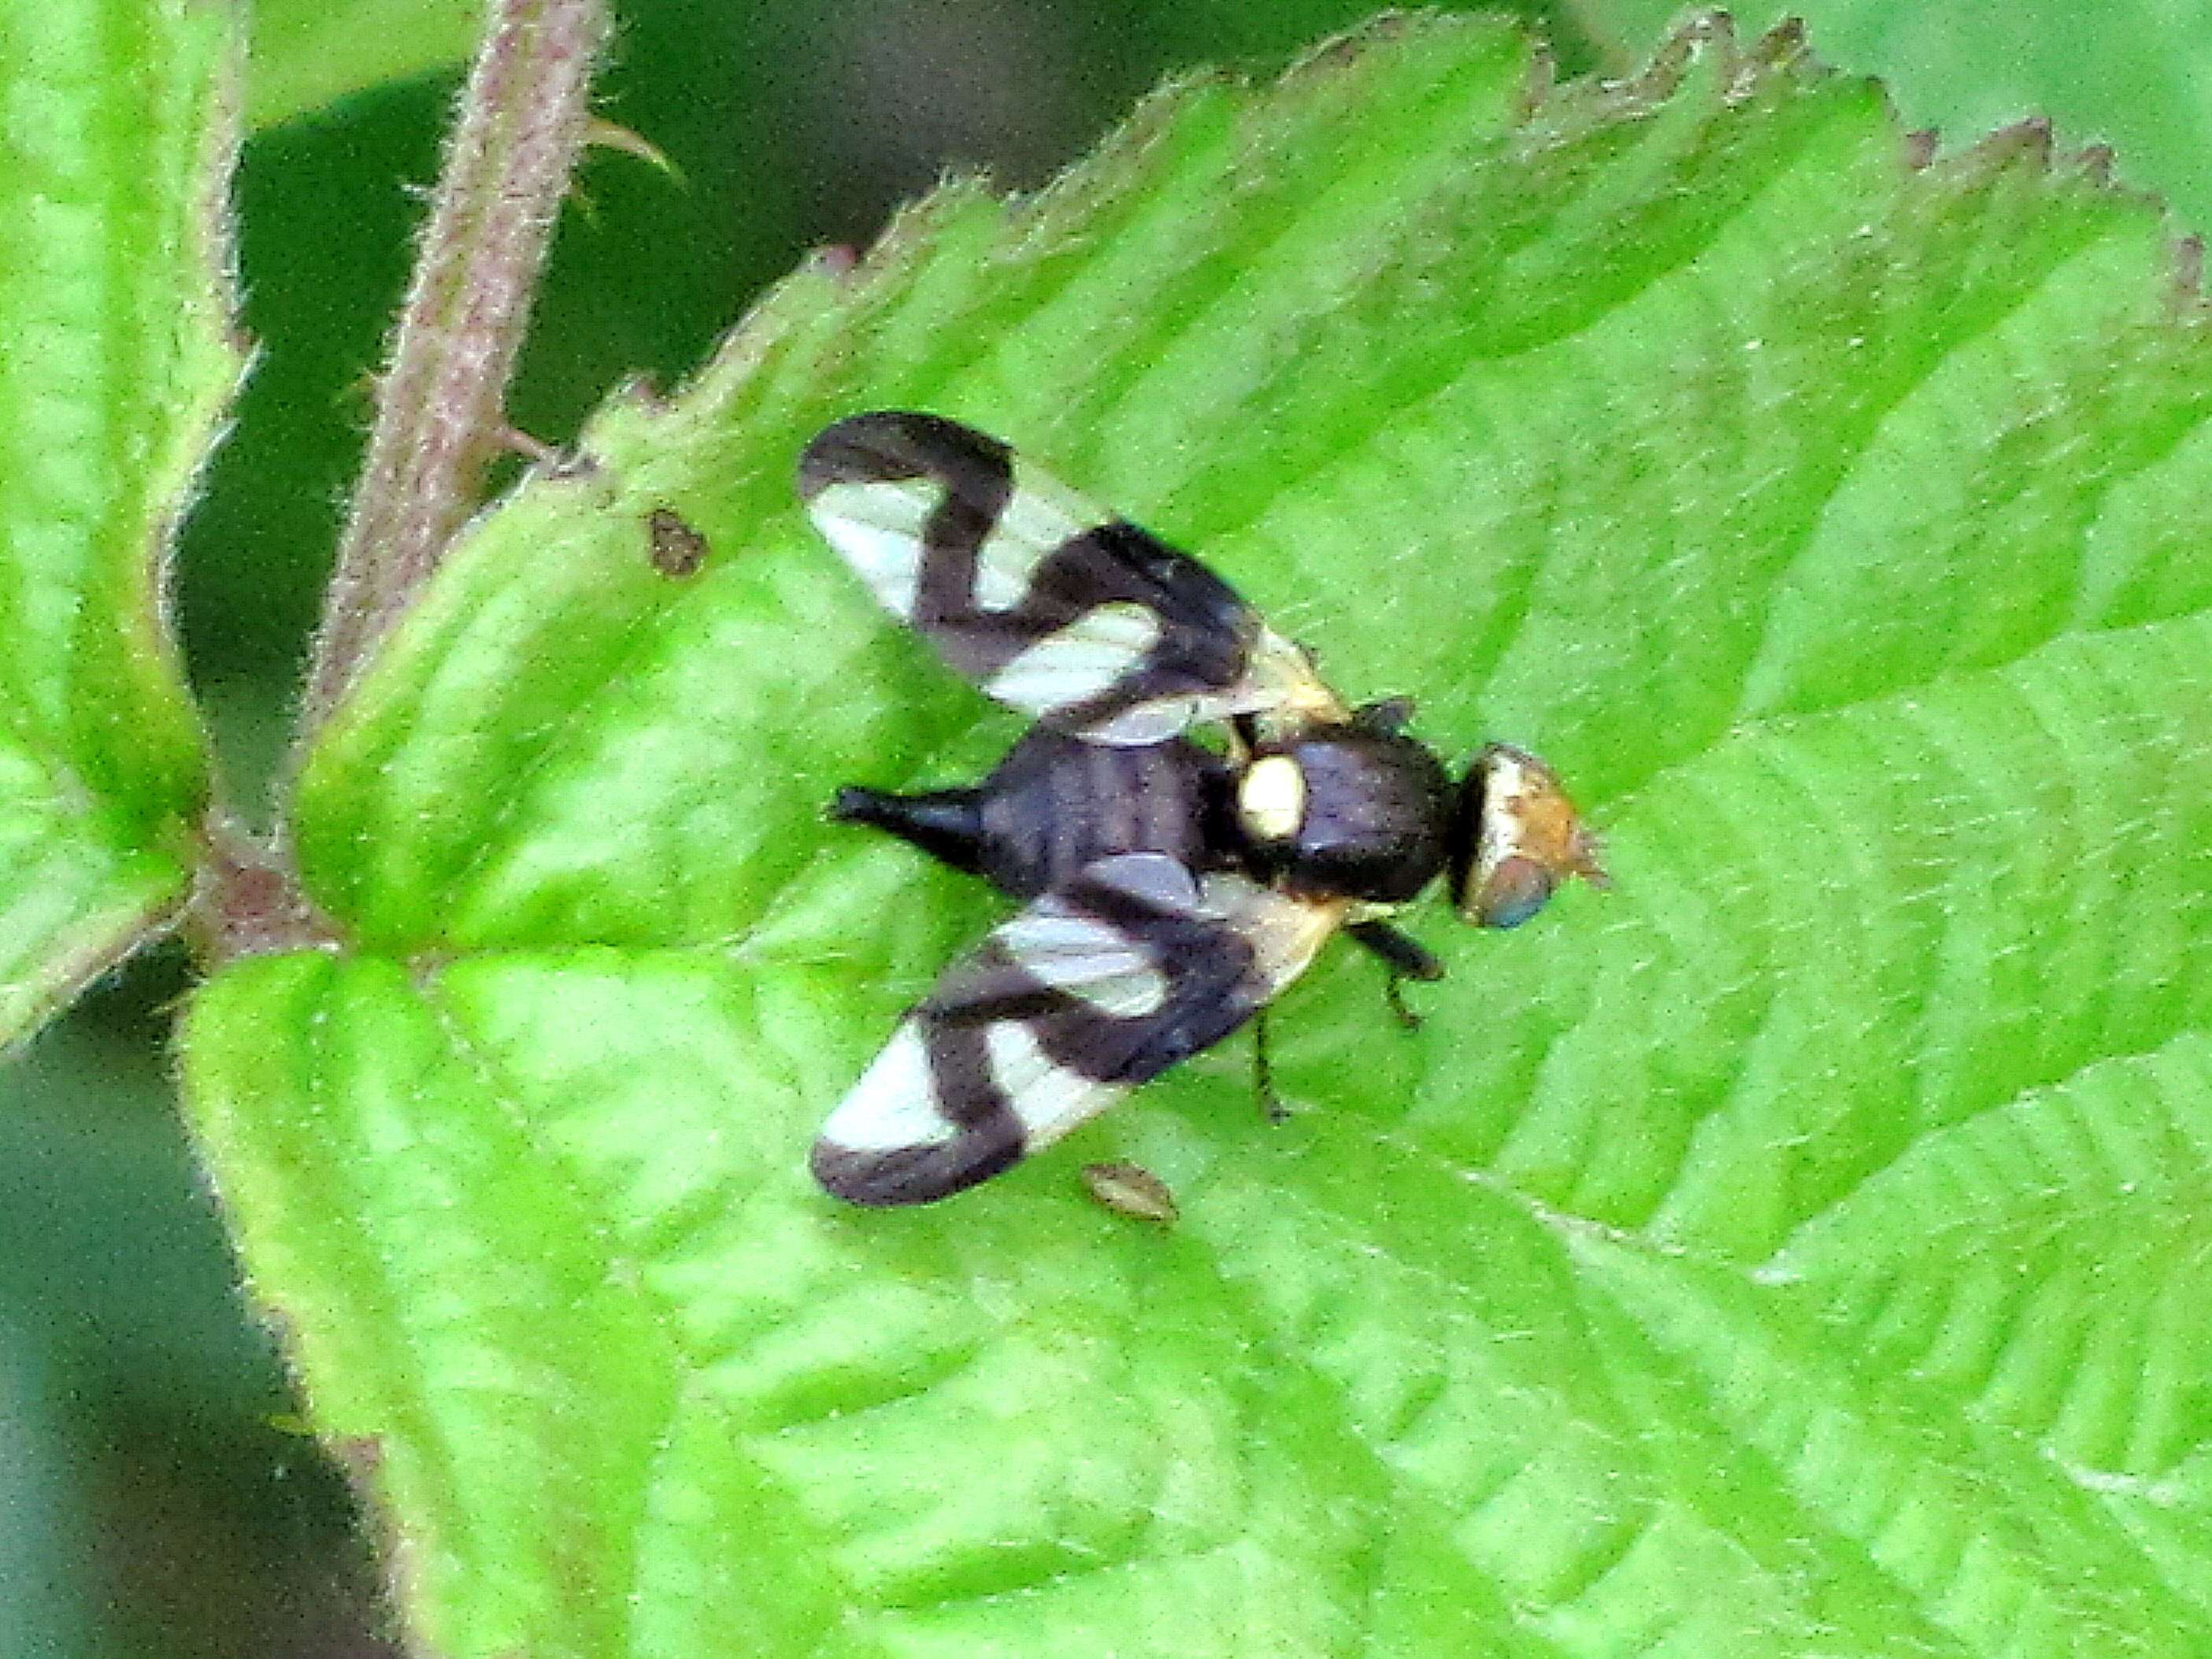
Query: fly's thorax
[{"x": 1342, "y": 811}]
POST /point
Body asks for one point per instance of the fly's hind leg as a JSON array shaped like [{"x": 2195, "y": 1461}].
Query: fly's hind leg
[
  {"x": 945, "y": 824},
  {"x": 1263, "y": 1073},
  {"x": 1402, "y": 959}
]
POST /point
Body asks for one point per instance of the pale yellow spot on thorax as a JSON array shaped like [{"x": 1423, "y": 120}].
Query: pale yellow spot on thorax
[{"x": 1271, "y": 800}]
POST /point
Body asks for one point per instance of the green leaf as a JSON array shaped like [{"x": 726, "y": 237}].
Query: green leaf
[
  {"x": 2128, "y": 74},
  {"x": 1796, "y": 1250},
  {"x": 118, "y": 363},
  {"x": 308, "y": 53}
]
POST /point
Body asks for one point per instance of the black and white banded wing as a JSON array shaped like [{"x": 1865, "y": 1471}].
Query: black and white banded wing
[
  {"x": 1094, "y": 988},
  {"x": 1070, "y": 614}
]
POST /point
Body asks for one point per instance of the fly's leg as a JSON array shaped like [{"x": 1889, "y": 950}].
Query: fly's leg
[
  {"x": 1263, "y": 1073},
  {"x": 1402, "y": 959}
]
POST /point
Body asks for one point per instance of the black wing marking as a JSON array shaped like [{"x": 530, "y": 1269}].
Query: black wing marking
[
  {"x": 1049, "y": 603},
  {"x": 1094, "y": 988}
]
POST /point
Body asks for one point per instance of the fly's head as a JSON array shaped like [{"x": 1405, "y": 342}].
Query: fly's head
[{"x": 1514, "y": 836}]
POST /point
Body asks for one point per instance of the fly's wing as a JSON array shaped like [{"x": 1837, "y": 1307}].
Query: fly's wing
[
  {"x": 1072, "y": 615},
  {"x": 1098, "y": 986}
]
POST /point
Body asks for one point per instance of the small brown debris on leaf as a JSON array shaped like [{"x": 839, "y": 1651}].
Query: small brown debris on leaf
[
  {"x": 1130, "y": 1189},
  {"x": 678, "y": 549}
]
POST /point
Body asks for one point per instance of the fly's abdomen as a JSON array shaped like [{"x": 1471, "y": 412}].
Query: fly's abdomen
[{"x": 1055, "y": 804}]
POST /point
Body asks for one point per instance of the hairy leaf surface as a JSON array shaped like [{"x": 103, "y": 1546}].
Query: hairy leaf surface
[
  {"x": 1796, "y": 1250},
  {"x": 116, "y": 364}
]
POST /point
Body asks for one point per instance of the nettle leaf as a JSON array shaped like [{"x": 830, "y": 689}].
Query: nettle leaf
[
  {"x": 1796, "y": 1250},
  {"x": 2125, "y": 73},
  {"x": 116, "y": 363}
]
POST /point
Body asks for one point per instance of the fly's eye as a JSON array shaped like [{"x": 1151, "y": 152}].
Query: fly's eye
[
  {"x": 1511, "y": 892},
  {"x": 1271, "y": 801}
]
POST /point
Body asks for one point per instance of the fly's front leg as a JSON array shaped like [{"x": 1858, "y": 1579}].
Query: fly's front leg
[
  {"x": 1402, "y": 959},
  {"x": 1388, "y": 716}
]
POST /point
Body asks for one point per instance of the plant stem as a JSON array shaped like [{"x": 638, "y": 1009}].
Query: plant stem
[
  {"x": 247, "y": 901},
  {"x": 440, "y": 407}
]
